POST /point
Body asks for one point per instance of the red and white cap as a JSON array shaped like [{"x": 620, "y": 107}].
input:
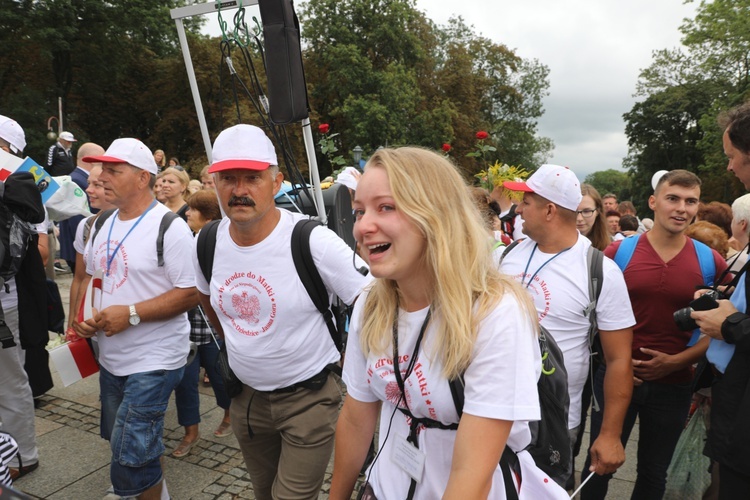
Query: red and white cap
[
  {"x": 127, "y": 150},
  {"x": 553, "y": 182},
  {"x": 12, "y": 133},
  {"x": 242, "y": 146}
]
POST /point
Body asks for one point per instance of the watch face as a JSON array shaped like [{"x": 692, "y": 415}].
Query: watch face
[{"x": 134, "y": 320}]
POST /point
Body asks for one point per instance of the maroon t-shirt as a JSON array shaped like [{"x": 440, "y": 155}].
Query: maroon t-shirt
[{"x": 658, "y": 289}]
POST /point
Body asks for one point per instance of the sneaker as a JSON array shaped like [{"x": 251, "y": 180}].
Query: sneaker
[{"x": 59, "y": 268}]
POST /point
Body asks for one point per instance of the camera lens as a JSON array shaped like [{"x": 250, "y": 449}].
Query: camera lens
[{"x": 683, "y": 320}]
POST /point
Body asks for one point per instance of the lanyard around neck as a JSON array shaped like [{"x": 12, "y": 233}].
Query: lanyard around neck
[
  {"x": 540, "y": 267},
  {"x": 111, "y": 257},
  {"x": 412, "y": 361}
]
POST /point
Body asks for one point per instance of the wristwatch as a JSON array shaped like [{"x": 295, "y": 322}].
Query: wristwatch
[
  {"x": 729, "y": 324},
  {"x": 134, "y": 318}
]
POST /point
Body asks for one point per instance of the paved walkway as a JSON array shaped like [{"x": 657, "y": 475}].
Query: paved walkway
[{"x": 74, "y": 460}]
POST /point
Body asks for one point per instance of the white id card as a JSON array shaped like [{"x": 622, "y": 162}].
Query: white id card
[
  {"x": 409, "y": 458},
  {"x": 108, "y": 284}
]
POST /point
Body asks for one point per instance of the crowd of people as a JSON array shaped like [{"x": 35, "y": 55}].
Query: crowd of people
[{"x": 451, "y": 286}]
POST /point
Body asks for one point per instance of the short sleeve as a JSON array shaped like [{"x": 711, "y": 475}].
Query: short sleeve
[{"x": 355, "y": 366}]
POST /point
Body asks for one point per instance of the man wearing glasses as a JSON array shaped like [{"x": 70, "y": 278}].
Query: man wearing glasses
[{"x": 551, "y": 264}]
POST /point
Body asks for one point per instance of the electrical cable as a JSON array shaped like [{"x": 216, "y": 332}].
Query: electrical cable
[{"x": 258, "y": 99}]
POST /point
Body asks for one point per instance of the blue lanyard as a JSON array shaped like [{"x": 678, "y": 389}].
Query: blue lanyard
[
  {"x": 540, "y": 267},
  {"x": 111, "y": 257}
]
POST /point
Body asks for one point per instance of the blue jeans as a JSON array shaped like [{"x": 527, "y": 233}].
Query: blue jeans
[
  {"x": 133, "y": 408},
  {"x": 186, "y": 392},
  {"x": 662, "y": 410}
]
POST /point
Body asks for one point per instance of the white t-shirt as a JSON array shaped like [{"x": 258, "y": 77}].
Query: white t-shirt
[
  {"x": 134, "y": 276},
  {"x": 500, "y": 383},
  {"x": 274, "y": 334},
  {"x": 560, "y": 290}
]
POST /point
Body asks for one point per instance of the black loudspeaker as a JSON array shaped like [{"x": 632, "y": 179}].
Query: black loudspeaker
[
  {"x": 338, "y": 207},
  {"x": 287, "y": 91}
]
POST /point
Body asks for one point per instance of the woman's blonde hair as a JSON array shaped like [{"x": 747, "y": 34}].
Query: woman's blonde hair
[
  {"x": 466, "y": 284},
  {"x": 163, "y": 161},
  {"x": 181, "y": 175}
]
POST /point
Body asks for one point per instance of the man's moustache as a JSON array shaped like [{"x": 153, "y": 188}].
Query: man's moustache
[{"x": 242, "y": 201}]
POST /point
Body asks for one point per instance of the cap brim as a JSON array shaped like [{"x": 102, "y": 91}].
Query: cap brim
[
  {"x": 238, "y": 164},
  {"x": 517, "y": 186},
  {"x": 102, "y": 159}
]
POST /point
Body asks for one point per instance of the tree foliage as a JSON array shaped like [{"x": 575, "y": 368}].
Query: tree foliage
[
  {"x": 379, "y": 71},
  {"x": 384, "y": 74},
  {"x": 611, "y": 181},
  {"x": 683, "y": 91}
]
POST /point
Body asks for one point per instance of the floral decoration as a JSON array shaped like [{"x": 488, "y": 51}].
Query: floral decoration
[
  {"x": 328, "y": 146},
  {"x": 498, "y": 173}
]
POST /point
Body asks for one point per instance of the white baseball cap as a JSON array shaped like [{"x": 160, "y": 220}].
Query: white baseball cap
[
  {"x": 67, "y": 136},
  {"x": 127, "y": 150},
  {"x": 12, "y": 133},
  {"x": 242, "y": 146},
  {"x": 553, "y": 182},
  {"x": 349, "y": 177}
]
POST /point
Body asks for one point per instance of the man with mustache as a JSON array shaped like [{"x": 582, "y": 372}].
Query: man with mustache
[{"x": 277, "y": 341}]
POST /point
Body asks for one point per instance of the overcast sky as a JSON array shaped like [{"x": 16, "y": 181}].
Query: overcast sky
[{"x": 595, "y": 50}]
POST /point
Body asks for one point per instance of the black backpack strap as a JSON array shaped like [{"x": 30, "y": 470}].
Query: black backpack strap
[
  {"x": 99, "y": 222},
  {"x": 166, "y": 221},
  {"x": 509, "y": 248},
  {"x": 309, "y": 275},
  {"x": 508, "y": 461},
  {"x": 205, "y": 247},
  {"x": 595, "y": 260}
]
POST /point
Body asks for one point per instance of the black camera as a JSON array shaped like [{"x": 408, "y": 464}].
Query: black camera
[{"x": 705, "y": 302}]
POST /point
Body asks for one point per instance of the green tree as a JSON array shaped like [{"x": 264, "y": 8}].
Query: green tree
[
  {"x": 381, "y": 73},
  {"x": 611, "y": 181},
  {"x": 684, "y": 89}
]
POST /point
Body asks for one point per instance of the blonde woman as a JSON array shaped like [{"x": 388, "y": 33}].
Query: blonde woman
[
  {"x": 438, "y": 308},
  {"x": 160, "y": 158},
  {"x": 174, "y": 184}
]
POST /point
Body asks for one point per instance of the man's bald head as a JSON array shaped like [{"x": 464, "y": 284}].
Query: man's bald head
[{"x": 88, "y": 149}]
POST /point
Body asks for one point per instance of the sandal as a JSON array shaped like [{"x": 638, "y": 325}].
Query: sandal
[
  {"x": 16, "y": 473},
  {"x": 223, "y": 430},
  {"x": 206, "y": 381},
  {"x": 184, "y": 447}
]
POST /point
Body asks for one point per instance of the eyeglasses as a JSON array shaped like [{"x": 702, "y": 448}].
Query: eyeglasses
[{"x": 588, "y": 212}]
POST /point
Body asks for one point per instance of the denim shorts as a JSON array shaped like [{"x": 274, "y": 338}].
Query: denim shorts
[{"x": 133, "y": 408}]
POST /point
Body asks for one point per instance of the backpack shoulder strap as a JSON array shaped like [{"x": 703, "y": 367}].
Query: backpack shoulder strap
[
  {"x": 99, "y": 222},
  {"x": 706, "y": 261},
  {"x": 166, "y": 221},
  {"x": 87, "y": 228},
  {"x": 205, "y": 247},
  {"x": 625, "y": 251},
  {"x": 509, "y": 248},
  {"x": 309, "y": 275},
  {"x": 595, "y": 260}
]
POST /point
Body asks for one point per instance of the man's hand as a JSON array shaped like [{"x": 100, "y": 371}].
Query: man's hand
[
  {"x": 710, "y": 321},
  {"x": 88, "y": 328},
  {"x": 607, "y": 455},
  {"x": 660, "y": 365},
  {"x": 114, "y": 319}
]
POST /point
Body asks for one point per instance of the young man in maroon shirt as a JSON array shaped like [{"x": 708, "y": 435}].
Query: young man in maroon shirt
[{"x": 661, "y": 277}]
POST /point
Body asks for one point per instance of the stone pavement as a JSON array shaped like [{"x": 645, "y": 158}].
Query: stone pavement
[{"x": 74, "y": 460}]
